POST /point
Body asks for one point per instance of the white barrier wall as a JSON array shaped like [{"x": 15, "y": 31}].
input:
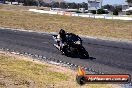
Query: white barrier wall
[
  {"x": 122, "y": 18},
  {"x": 67, "y": 14},
  {"x": 74, "y": 14},
  {"x": 53, "y": 12},
  {"x": 82, "y": 15},
  {"x": 60, "y": 13},
  {"x": 42, "y": 11}
]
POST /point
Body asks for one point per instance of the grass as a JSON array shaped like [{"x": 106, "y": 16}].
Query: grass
[
  {"x": 20, "y": 72},
  {"x": 17, "y": 17}
]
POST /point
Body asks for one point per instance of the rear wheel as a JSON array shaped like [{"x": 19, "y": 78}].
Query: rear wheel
[{"x": 83, "y": 53}]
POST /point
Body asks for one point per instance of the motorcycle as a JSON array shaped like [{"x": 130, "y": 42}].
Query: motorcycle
[{"x": 72, "y": 46}]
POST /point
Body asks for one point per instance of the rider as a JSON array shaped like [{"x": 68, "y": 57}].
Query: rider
[
  {"x": 61, "y": 39},
  {"x": 62, "y": 35}
]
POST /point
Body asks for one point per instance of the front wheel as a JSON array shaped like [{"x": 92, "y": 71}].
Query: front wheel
[{"x": 66, "y": 51}]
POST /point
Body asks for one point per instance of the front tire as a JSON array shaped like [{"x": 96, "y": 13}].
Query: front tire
[{"x": 66, "y": 51}]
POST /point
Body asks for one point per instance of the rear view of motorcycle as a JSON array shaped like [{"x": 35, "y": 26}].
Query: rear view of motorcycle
[{"x": 72, "y": 46}]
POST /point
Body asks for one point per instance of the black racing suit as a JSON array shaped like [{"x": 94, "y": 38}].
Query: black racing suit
[{"x": 63, "y": 38}]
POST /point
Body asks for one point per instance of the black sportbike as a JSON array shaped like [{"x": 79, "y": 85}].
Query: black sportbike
[{"x": 72, "y": 46}]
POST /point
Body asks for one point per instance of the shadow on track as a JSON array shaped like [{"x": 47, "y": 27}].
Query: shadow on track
[
  {"x": 92, "y": 58},
  {"x": 77, "y": 56},
  {"x": 89, "y": 58}
]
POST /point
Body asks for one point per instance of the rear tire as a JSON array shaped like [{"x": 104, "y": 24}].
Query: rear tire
[{"x": 83, "y": 53}]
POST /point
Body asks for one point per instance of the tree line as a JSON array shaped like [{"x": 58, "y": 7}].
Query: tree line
[
  {"x": 53, "y": 4},
  {"x": 65, "y": 5},
  {"x": 129, "y": 1}
]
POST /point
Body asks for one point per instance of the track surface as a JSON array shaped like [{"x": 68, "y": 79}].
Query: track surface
[{"x": 105, "y": 56}]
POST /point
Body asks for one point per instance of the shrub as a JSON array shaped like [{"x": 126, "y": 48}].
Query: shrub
[
  {"x": 100, "y": 11},
  {"x": 115, "y": 12}
]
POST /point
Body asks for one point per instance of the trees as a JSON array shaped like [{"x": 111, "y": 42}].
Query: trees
[
  {"x": 55, "y": 4},
  {"x": 101, "y": 11},
  {"x": 114, "y": 9},
  {"x": 72, "y": 5},
  {"x": 84, "y": 5},
  {"x": 115, "y": 12},
  {"x": 29, "y": 2},
  {"x": 117, "y": 9},
  {"x": 63, "y": 5},
  {"x": 108, "y": 7},
  {"x": 4, "y": 1},
  {"x": 129, "y": 1}
]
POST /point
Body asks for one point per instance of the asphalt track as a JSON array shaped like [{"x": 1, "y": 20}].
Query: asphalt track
[{"x": 105, "y": 56}]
